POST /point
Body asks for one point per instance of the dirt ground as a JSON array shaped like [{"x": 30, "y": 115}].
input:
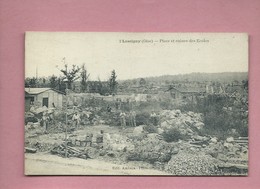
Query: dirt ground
[{"x": 47, "y": 164}]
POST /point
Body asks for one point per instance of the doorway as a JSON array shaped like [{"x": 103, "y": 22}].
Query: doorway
[{"x": 45, "y": 102}]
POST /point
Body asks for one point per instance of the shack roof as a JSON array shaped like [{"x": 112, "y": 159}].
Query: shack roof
[
  {"x": 188, "y": 89},
  {"x": 35, "y": 91}
]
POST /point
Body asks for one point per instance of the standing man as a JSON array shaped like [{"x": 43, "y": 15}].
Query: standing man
[
  {"x": 132, "y": 119},
  {"x": 76, "y": 120},
  {"x": 154, "y": 118},
  {"x": 45, "y": 122},
  {"x": 122, "y": 119}
]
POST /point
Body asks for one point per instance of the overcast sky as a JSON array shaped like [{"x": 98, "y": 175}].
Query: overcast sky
[{"x": 139, "y": 55}]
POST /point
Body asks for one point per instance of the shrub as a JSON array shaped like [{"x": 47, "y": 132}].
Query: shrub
[
  {"x": 60, "y": 116},
  {"x": 30, "y": 119},
  {"x": 173, "y": 135},
  {"x": 142, "y": 118},
  {"x": 150, "y": 129}
]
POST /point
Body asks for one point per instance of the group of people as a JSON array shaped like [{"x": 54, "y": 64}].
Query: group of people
[
  {"x": 48, "y": 118},
  {"x": 131, "y": 116},
  {"x": 125, "y": 118}
]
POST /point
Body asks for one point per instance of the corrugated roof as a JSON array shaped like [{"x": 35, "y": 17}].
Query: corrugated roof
[{"x": 34, "y": 91}]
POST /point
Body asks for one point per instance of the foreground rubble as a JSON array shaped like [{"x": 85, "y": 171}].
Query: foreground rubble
[
  {"x": 187, "y": 154},
  {"x": 185, "y": 163}
]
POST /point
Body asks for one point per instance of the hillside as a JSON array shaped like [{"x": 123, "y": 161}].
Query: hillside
[{"x": 226, "y": 77}]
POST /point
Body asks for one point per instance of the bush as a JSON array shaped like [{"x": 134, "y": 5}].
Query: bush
[
  {"x": 173, "y": 135},
  {"x": 142, "y": 118},
  {"x": 30, "y": 119},
  {"x": 150, "y": 129},
  {"x": 60, "y": 116}
]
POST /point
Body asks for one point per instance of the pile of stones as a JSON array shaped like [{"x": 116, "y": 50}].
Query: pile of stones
[
  {"x": 185, "y": 163},
  {"x": 186, "y": 123}
]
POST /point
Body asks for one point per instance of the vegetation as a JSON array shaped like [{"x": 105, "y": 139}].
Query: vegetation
[
  {"x": 222, "y": 114},
  {"x": 113, "y": 83},
  {"x": 84, "y": 77},
  {"x": 173, "y": 135}
]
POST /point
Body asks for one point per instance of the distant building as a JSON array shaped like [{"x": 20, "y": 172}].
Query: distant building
[
  {"x": 185, "y": 93},
  {"x": 43, "y": 97}
]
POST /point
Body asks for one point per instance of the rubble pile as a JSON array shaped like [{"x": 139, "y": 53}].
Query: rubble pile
[
  {"x": 36, "y": 138},
  {"x": 116, "y": 142},
  {"x": 39, "y": 146},
  {"x": 33, "y": 129},
  {"x": 185, "y": 163},
  {"x": 186, "y": 123},
  {"x": 151, "y": 149},
  {"x": 232, "y": 153},
  {"x": 63, "y": 150}
]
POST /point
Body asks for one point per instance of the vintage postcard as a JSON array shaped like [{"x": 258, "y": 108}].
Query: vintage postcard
[{"x": 136, "y": 104}]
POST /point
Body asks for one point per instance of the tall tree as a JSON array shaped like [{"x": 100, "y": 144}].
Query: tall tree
[
  {"x": 70, "y": 74},
  {"x": 103, "y": 87},
  {"x": 53, "y": 81},
  {"x": 84, "y": 78},
  {"x": 113, "y": 83},
  {"x": 142, "y": 82},
  {"x": 33, "y": 82},
  {"x": 61, "y": 84}
]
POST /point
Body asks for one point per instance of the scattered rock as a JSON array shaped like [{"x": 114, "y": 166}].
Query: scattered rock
[
  {"x": 160, "y": 131},
  {"x": 200, "y": 138},
  {"x": 30, "y": 150},
  {"x": 227, "y": 145},
  {"x": 230, "y": 139},
  {"x": 199, "y": 125},
  {"x": 138, "y": 130},
  {"x": 214, "y": 140}
]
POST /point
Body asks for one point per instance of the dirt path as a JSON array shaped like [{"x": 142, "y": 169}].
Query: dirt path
[{"x": 46, "y": 164}]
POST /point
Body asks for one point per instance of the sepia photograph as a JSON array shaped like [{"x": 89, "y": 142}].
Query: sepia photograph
[{"x": 114, "y": 103}]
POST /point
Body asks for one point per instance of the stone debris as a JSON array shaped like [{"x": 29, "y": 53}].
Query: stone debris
[
  {"x": 214, "y": 140},
  {"x": 63, "y": 150},
  {"x": 116, "y": 142},
  {"x": 151, "y": 149},
  {"x": 192, "y": 164},
  {"x": 186, "y": 123},
  {"x": 138, "y": 130},
  {"x": 230, "y": 139}
]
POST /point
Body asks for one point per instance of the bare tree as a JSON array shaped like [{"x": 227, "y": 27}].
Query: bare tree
[{"x": 70, "y": 74}]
